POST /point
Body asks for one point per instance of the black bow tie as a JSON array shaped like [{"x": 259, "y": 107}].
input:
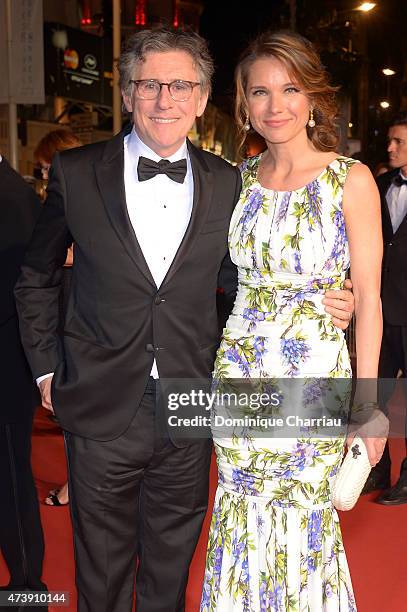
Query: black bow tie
[
  {"x": 399, "y": 180},
  {"x": 147, "y": 169}
]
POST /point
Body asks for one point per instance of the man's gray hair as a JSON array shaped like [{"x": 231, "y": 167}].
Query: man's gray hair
[{"x": 161, "y": 40}]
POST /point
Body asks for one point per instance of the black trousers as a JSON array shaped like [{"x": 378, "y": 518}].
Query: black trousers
[
  {"x": 393, "y": 357},
  {"x": 21, "y": 537},
  {"x": 136, "y": 498}
]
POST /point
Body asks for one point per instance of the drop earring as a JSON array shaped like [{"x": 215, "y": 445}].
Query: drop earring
[
  {"x": 311, "y": 120},
  {"x": 247, "y": 125}
]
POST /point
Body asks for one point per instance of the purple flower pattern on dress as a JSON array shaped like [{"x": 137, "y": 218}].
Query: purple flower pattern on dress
[
  {"x": 297, "y": 262},
  {"x": 314, "y": 389},
  {"x": 271, "y": 599},
  {"x": 233, "y": 355},
  {"x": 238, "y": 548},
  {"x": 283, "y": 208},
  {"x": 260, "y": 524},
  {"x": 244, "y": 165},
  {"x": 334, "y": 470},
  {"x": 314, "y": 528},
  {"x": 340, "y": 242},
  {"x": 294, "y": 352},
  {"x": 259, "y": 349},
  {"x": 296, "y": 297},
  {"x": 315, "y": 531},
  {"x": 302, "y": 456},
  {"x": 314, "y": 209},
  {"x": 253, "y": 205},
  {"x": 253, "y": 315},
  {"x": 244, "y": 482}
]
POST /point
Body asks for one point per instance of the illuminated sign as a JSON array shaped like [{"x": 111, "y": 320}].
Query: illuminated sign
[{"x": 78, "y": 65}]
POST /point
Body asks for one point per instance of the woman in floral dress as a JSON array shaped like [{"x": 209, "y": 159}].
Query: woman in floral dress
[{"x": 305, "y": 214}]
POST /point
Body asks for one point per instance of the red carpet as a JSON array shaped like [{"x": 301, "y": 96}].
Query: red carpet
[{"x": 375, "y": 536}]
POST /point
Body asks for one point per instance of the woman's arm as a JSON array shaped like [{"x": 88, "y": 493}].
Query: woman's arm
[{"x": 361, "y": 207}]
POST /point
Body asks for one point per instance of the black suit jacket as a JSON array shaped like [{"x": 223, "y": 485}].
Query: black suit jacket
[
  {"x": 394, "y": 271},
  {"x": 117, "y": 320},
  {"x": 19, "y": 210}
]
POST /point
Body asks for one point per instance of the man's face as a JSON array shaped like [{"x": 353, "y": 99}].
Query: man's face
[
  {"x": 163, "y": 124},
  {"x": 397, "y": 147}
]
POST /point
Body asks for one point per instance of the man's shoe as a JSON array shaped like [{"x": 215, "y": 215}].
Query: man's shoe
[
  {"x": 395, "y": 496},
  {"x": 375, "y": 482}
]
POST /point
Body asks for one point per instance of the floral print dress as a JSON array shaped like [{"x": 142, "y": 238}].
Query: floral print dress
[{"x": 275, "y": 541}]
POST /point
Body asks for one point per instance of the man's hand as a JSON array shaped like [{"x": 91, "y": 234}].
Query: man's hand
[
  {"x": 45, "y": 390},
  {"x": 340, "y": 304}
]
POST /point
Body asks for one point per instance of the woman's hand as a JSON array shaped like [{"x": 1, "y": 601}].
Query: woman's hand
[
  {"x": 374, "y": 447},
  {"x": 372, "y": 426}
]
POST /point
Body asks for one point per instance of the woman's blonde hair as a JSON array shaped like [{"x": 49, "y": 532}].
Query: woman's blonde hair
[{"x": 303, "y": 63}]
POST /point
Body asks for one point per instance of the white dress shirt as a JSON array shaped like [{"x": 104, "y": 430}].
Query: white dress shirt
[
  {"x": 396, "y": 198},
  {"x": 159, "y": 210}
]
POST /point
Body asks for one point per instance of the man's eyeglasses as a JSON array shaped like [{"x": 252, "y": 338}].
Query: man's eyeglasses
[{"x": 149, "y": 89}]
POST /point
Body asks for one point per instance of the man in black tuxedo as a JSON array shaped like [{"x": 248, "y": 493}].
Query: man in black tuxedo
[
  {"x": 21, "y": 538},
  {"x": 393, "y": 358},
  {"x": 149, "y": 214}
]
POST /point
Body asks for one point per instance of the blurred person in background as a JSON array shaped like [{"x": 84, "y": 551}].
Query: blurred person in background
[
  {"x": 254, "y": 144},
  {"x": 57, "y": 140},
  {"x": 21, "y": 537},
  {"x": 393, "y": 358}
]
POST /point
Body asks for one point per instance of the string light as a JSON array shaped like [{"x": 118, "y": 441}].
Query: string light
[{"x": 365, "y": 7}]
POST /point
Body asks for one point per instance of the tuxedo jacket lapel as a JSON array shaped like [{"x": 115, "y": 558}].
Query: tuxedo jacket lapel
[
  {"x": 384, "y": 185},
  {"x": 203, "y": 188},
  {"x": 110, "y": 179},
  {"x": 402, "y": 228}
]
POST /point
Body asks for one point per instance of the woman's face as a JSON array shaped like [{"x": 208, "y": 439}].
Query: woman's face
[
  {"x": 278, "y": 109},
  {"x": 44, "y": 167}
]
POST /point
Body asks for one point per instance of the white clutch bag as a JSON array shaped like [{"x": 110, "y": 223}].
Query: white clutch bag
[{"x": 352, "y": 476}]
